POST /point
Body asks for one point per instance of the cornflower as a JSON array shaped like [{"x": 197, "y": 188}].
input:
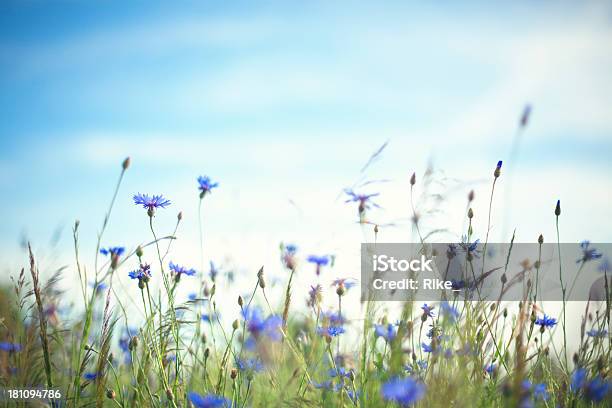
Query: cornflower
[
  {"x": 319, "y": 262},
  {"x": 403, "y": 391},
  {"x": 205, "y": 185},
  {"x": 151, "y": 203},
  {"x": 179, "y": 270}
]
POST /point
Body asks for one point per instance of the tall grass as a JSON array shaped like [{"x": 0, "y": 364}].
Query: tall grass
[{"x": 278, "y": 353}]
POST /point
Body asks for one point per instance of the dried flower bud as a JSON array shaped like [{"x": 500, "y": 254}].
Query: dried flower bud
[
  {"x": 541, "y": 239},
  {"x": 126, "y": 163},
  {"x": 413, "y": 179},
  {"x": 234, "y": 374},
  {"x": 558, "y": 208}
]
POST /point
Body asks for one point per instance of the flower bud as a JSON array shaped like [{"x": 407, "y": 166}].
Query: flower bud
[
  {"x": 471, "y": 196},
  {"x": 206, "y": 353},
  {"x": 541, "y": 239},
  {"x": 504, "y": 279},
  {"x": 141, "y": 284},
  {"x": 126, "y": 163},
  {"x": 470, "y": 213},
  {"x": 139, "y": 251},
  {"x": 169, "y": 394},
  {"x": 179, "y": 216},
  {"x": 203, "y": 338},
  {"x": 413, "y": 179},
  {"x": 240, "y": 301},
  {"x": 133, "y": 343},
  {"x": 262, "y": 282},
  {"x": 235, "y": 324},
  {"x": 376, "y": 229},
  {"x": 340, "y": 290},
  {"x": 234, "y": 374},
  {"x": 110, "y": 394},
  {"x": 497, "y": 171},
  {"x": 558, "y": 208}
]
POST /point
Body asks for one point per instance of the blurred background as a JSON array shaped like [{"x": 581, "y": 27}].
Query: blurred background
[{"x": 283, "y": 104}]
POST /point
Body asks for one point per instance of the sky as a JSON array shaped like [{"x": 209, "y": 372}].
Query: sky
[{"x": 283, "y": 103}]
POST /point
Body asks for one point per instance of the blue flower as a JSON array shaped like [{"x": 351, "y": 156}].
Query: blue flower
[
  {"x": 333, "y": 318},
  {"x": 364, "y": 200},
  {"x": 588, "y": 254},
  {"x": 252, "y": 365},
  {"x": 260, "y": 327},
  {"x": 291, "y": 249},
  {"x": 208, "y": 401},
  {"x": 343, "y": 284},
  {"x": 181, "y": 270},
  {"x": 427, "y": 348},
  {"x": 339, "y": 372},
  {"x": 209, "y": 318},
  {"x": 319, "y": 261},
  {"x": 113, "y": 251},
  {"x": 387, "y": 332},
  {"x": 90, "y": 376},
  {"x": 597, "y": 333},
  {"x": 546, "y": 321},
  {"x": 428, "y": 310},
  {"x": 595, "y": 389},
  {"x": 330, "y": 331},
  {"x": 10, "y": 347},
  {"x": 404, "y": 391},
  {"x": 205, "y": 185},
  {"x": 490, "y": 369},
  {"x": 539, "y": 392},
  {"x": 449, "y": 311},
  {"x": 151, "y": 203},
  {"x": 499, "y": 164},
  {"x": 142, "y": 274},
  {"x": 578, "y": 379}
]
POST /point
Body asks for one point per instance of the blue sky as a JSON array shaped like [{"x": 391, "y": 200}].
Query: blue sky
[{"x": 283, "y": 103}]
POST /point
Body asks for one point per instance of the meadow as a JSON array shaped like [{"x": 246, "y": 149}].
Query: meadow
[{"x": 183, "y": 354}]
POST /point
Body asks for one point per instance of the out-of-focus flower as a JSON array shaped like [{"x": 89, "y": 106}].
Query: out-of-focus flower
[
  {"x": 594, "y": 390},
  {"x": 213, "y": 272},
  {"x": 595, "y": 333},
  {"x": 179, "y": 270},
  {"x": 427, "y": 348},
  {"x": 604, "y": 265},
  {"x": 588, "y": 254},
  {"x": 387, "y": 332},
  {"x": 205, "y": 185},
  {"x": 403, "y": 391},
  {"x": 319, "y": 262},
  {"x": 539, "y": 392},
  {"x": 10, "y": 347},
  {"x": 208, "y": 401},
  {"x": 251, "y": 365},
  {"x": 315, "y": 295},
  {"x": 116, "y": 251},
  {"x": 364, "y": 200},
  {"x": 261, "y": 327},
  {"x": 449, "y": 311},
  {"x": 490, "y": 369},
  {"x": 90, "y": 376},
  {"x": 343, "y": 284},
  {"x": 288, "y": 255}
]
